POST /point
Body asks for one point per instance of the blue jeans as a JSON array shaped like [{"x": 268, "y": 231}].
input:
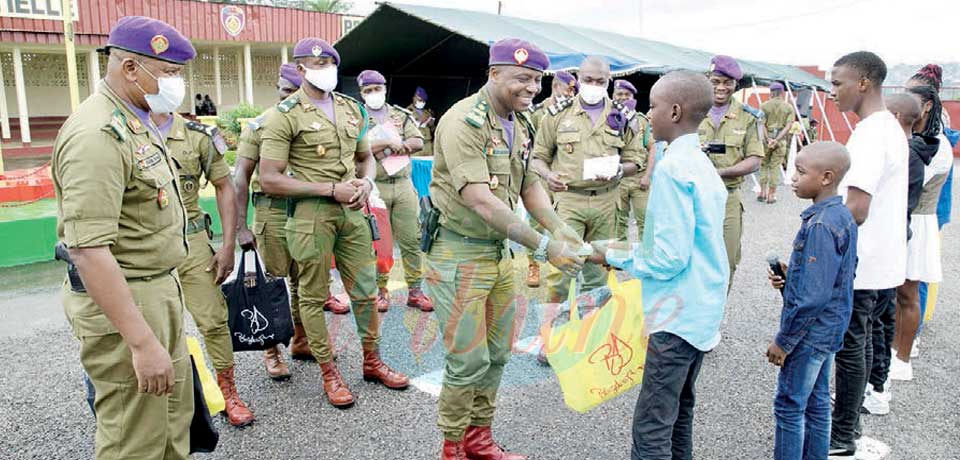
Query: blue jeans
[{"x": 802, "y": 405}]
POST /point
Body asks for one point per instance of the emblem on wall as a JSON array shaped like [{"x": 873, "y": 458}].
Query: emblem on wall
[{"x": 232, "y": 19}]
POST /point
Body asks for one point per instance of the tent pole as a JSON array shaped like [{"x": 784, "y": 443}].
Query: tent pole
[
  {"x": 823, "y": 114},
  {"x": 439, "y": 43}
]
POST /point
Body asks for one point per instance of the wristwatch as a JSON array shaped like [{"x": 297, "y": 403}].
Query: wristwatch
[
  {"x": 372, "y": 185},
  {"x": 540, "y": 254}
]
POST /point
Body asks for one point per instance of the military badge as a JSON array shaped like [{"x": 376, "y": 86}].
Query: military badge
[
  {"x": 189, "y": 185},
  {"x": 134, "y": 124},
  {"x": 494, "y": 182},
  {"x": 159, "y": 44},
  {"x": 568, "y": 148},
  {"x": 520, "y": 56},
  {"x": 321, "y": 150},
  {"x": 317, "y": 51},
  {"x": 162, "y": 199}
]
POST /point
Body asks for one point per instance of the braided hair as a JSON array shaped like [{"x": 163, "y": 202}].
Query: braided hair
[
  {"x": 928, "y": 93},
  {"x": 930, "y": 74}
]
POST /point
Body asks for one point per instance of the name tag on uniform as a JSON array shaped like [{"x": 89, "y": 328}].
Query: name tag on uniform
[
  {"x": 150, "y": 161},
  {"x": 500, "y": 151}
]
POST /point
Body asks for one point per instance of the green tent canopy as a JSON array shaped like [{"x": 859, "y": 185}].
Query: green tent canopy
[{"x": 445, "y": 51}]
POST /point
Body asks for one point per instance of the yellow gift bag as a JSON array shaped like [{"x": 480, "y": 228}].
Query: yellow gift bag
[
  {"x": 601, "y": 355},
  {"x": 211, "y": 392}
]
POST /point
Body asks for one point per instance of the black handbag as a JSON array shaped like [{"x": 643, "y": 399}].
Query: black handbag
[
  {"x": 258, "y": 309},
  {"x": 203, "y": 435}
]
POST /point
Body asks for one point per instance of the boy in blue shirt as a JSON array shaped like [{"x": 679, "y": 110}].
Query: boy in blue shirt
[
  {"x": 817, "y": 303},
  {"x": 683, "y": 265}
]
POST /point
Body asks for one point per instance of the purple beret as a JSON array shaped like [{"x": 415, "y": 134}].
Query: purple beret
[
  {"x": 513, "y": 51},
  {"x": 568, "y": 79},
  {"x": 151, "y": 38},
  {"x": 623, "y": 84},
  {"x": 727, "y": 66},
  {"x": 421, "y": 93},
  {"x": 371, "y": 77},
  {"x": 315, "y": 47},
  {"x": 289, "y": 73},
  {"x": 776, "y": 86}
]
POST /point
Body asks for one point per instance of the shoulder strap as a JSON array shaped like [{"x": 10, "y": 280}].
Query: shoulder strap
[
  {"x": 288, "y": 104},
  {"x": 475, "y": 117},
  {"x": 562, "y": 103}
]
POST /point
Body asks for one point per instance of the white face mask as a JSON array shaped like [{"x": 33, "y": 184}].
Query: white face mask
[
  {"x": 420, "y": 105},
  {"x": 375, "y": 100},
  {"x": 324, "y": 79},
  {"x": 592, "y": 94},
  {"x": 170, "y": 95}
]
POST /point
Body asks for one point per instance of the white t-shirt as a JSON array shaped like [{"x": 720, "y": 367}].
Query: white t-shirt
[
  {"x": 878, "y": 166},
  {"x": 941, "y": 162}
]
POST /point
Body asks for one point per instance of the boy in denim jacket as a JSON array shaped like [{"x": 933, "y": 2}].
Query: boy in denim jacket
[{"x": 817, "y": 302}]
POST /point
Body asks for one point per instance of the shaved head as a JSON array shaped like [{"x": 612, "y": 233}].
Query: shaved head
[
  {"x": 828, "y": 156},
  {"x": 906, "y": 108},
  {"x": 690, "y": 90},
  {"x": 595, "y": 63}
]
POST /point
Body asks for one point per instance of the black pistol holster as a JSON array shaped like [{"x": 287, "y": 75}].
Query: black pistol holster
[
  {"x": 429, "y": 223},
  {"x": 60, "y": 253}
]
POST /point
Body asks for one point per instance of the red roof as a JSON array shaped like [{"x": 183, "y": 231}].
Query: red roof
[{"x": 199, "y": 21}]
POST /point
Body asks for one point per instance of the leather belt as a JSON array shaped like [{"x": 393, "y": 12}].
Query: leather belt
[
  {"x": 197, "y": 225},
  {"x": 259, "y": 199},
  {"x": 450, "y": 235},
  {"x": 592, "y": 192}
]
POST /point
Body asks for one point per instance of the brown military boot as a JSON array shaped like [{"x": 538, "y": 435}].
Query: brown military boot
[
  {"x": 334, "y": 305},
  {"x": 417, "y": 299},
  {"x": 479, "y": 445},
  {"x": 273, "y": 361},
  {"x": 533, "y": 275},
  {"x": 337, "y": 392},
  {"x": 383, "y": 300},
  {"x": 299, "y": 346},
  {"x": 453, "y": 450},
  {"x": 375, "y": 370},
  {"x": 236, "y": 411}
]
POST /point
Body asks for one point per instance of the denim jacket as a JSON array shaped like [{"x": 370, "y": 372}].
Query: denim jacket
[{"x": 818, "y": 295}]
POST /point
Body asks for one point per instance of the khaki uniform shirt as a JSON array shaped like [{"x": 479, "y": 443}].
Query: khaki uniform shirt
[
  {"x": 425, "y": 115},
  {"x": 248, "y": 145},
  {"x": 403, "y": 122},
  {"x": 116, "y": 187},
  {"x": 564, "y": 141},
  {"x": 777, "y": 114},
  {"x": 470, "y": 148},
  {"x": 315, "y": 148},
  {"x": 738, "y": 132},
  {"x": 195, "y": 155}
]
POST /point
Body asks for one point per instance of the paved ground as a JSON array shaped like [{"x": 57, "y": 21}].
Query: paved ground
[{"x": 45, "y": 416}]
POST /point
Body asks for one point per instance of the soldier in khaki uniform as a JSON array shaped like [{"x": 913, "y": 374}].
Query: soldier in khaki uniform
[
  {"x": 732, "y": 137},
  {"x": 394, "y": 135},
  {"x": 564, "y": 86},
  {"x": 320, "y": 136},
  {"x": 777, "y": 119},
  {"x": 635, "y": 189},
  {"x": 587, "y": 128},
  {"x": 198, "y": 150},
  {"x": 269, "y": 220},
  {"x": 120, "y": 214},
  {"x": 424, "y": 119},
  {"x": 479, "y": 174}
]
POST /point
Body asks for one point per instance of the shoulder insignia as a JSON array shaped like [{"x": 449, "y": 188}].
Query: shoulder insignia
[
  {"x": 534, "y": 107},
  {"x": 752, "y": 111},
  {"x": 344, "y": 96},
  {"x": 255, "y": 123},
  {"x": 561, "y": 104},
  {"x": 475, "y": 117},
  {"x": 288, "y": 104},
  {"x": 402, "y": 109},
  {"x": 118, "y": 125},
  {"x": 201, "y": 128}
]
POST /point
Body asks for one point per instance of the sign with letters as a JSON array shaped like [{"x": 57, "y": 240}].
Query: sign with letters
[{"x": 35, "y": 9}]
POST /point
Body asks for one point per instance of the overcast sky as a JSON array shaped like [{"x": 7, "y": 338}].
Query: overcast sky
[{"x": 811, "y": 32}]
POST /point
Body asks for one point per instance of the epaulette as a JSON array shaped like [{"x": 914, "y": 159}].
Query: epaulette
[
  {"x": 534, "y": 107},
  {"x": 118, "y": 125},
  {"x": 288, "y": 104},
  {"x": 402, "y": 110},
  {"x": 255, "y": 123},
  {"x": 628, "y": 113},
  {"x": 475, "y": 117},
  {"x": 561, "y": 104},
  {"x": 202, "y": 128},
  {"x": 752, "y": 111},
  {"x": 349, "y": 98}
]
